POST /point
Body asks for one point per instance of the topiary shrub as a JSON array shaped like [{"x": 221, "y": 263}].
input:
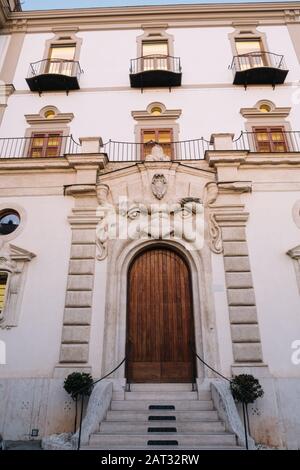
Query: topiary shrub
[
  {"x": 78, "y": 384},
  {"x": 246, "y": 388}
]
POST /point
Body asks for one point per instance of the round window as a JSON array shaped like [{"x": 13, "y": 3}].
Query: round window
[
  {"x": 156, "y": 111},
  {"x": 265, "y": 108},
  {"x": 50, "y": 114},
  {"x": 9, "y": 221}
]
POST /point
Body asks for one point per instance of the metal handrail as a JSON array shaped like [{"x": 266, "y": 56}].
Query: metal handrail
[
  {"x": 20, "y": 147},
  {"x": 88, "y": 387},
  {"x": 58, "y": 66},
  {"x": 193, "y": 149},
  {"x": 230, "y": 381},
  {"x": 249, "y": 60},
  {"x": 152, "y": 62}
]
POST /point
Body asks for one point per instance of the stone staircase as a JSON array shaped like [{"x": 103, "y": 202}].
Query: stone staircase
[{"x": 162, "y": 416}]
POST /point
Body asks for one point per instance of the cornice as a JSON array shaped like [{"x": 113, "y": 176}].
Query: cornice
[
  {"x": 173, "y": 15},
  {"x": 257, "y": 114}
]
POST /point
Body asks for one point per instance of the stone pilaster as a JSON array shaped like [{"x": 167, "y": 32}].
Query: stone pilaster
[
  {"x": 74, "y": 351},
  {"x": 240, "y": 290},
  {"x": 228, "y": 220},
  {"x": 79, "y": 294}
]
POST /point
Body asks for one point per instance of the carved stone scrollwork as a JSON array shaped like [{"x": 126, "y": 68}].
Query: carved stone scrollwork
[
  {"x": 103, "y": 226},
  {"x": 211, "y": 194},
  {"x": 159, "y": 186},
  {"x": 216, "y": 245}
]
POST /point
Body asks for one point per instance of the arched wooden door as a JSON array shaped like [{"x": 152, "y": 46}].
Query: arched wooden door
[{"x": 160, "y": 326}]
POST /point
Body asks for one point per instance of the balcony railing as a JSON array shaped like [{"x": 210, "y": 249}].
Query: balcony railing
[
  {"x": 155, "y": 70},
  {"x": 259, "y": 68},
  {"x": 132, "y": 151},
  {"x": 54, "y": 75},
  {"x": 24, "y": 147},
  {"x": 268, "y": 142}
]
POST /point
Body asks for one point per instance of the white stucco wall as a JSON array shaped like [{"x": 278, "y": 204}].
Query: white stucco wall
[
  {"x": 271, "y": 233},
  {"x": 33, "y": 346}
]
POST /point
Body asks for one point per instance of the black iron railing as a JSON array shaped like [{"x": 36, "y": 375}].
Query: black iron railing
[
  {"x": 269, "y": 141},
  {"x": 69, "y": 68},
  {"x": 257, "y": 59},
  {"x": 132, "y": 151},
  {"x": 27, "y": 147},
  {"x": 244, "y": 406},
  {"x": 155, "y": 62},
  {"x": 82, "y": 392}
]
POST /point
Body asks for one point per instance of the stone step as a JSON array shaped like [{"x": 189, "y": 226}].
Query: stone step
[
  {"x": 178, "y": 404},
  {"x": 143, "y": 427},
  {"x": 124, "y": 415},
  {"x": 165, "y": 396},
  {"x": 220, "y": 439},
  {"x": 161, "y": 387}
]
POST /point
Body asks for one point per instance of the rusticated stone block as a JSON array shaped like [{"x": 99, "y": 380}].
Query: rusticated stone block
[
  {"x": 233, "y": 234},
  {"x": 235, "y": 249},
  {"x": 79, "y": 299},
  {"x": 245, "y": 333},
  {"x": 80, "y": 282},
  {"x": 83, "y": 236},
  {"x": 247, "y": 352},
  {"x": 235, "y": 280},
  {"x": 83, "y": 251},
  {"x": 236, "y": 263},
  {"x": 74, "y": 353},
  {"x": 241, "y": 297},
  {"x": 82, "y": 266},
  {"x": 77, "y": 316},
  {"x": 243, "y": 314},
  {"x": 76, "y": 334}
]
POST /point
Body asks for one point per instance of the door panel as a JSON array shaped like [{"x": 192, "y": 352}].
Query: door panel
[{"x": 160, "y": 320}]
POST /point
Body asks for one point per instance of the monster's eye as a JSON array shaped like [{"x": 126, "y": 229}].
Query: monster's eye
[
  {"x": 134, "y": 213},
  {"x": 186, "y": 212}
]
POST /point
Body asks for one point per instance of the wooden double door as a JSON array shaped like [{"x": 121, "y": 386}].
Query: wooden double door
[{"x": 160, "y": 329}]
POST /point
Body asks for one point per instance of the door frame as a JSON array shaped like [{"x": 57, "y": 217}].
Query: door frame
[
  {"x": 120, "y": 256},
  {"x": 145, "y": 249}
]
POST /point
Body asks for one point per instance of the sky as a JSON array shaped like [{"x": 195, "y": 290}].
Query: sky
[{"x": 51, "y": 4}]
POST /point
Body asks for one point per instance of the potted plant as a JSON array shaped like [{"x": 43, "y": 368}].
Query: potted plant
[
  {"x": 246, "y": 389},
  {"x": 78, "y": 384}
]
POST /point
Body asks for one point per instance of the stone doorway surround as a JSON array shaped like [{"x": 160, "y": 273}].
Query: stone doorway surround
[{"x": 120, "y": 254}]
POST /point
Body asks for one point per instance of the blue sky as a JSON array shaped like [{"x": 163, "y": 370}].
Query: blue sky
[{"x": 48, "y": 4}]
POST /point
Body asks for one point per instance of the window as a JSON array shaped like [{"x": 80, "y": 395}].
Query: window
[
  {"x": 61, "y": 58},
  {"x": 155, "y": 55},
  {"x": 3, "y": 285},
  {"x": 265, "y": 108},
  {"x": 45, "y": 145},
  {"x": 9, "y": 221},
  {"x": 252, "y": 53},
  {"x": 163, "y": 137},
  {"x": 270, "y": 139}
]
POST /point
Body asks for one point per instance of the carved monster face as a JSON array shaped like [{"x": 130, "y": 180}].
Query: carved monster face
[{"x": 182, "y": 221}]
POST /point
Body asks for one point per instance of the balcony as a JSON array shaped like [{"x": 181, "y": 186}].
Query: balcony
[
  {"x": 276, "y": 141},
  {"x": 54, "y": 75},
  {"x": 38, "y": 147},
  {"x": 156, "y": 151},
  {"x": 155, "y": 71},
  {"x": 258, "y": 68}
]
